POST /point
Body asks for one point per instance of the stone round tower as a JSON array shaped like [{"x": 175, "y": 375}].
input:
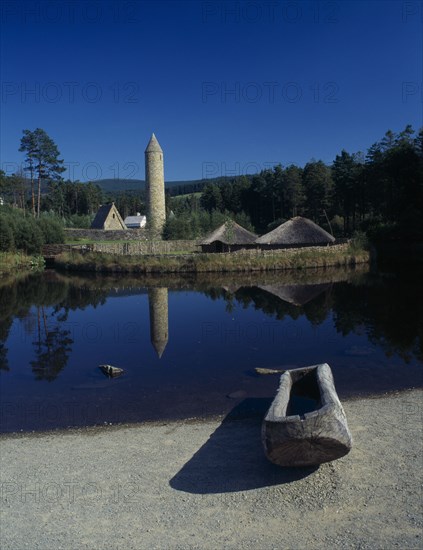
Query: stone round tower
[{"x": 154, "y": 183}]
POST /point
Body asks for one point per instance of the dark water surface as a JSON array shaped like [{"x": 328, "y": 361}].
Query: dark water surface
[{"x": 189, "y": 346}]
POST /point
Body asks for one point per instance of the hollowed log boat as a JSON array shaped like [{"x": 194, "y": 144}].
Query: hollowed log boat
[{"x": 306, "y": 423}]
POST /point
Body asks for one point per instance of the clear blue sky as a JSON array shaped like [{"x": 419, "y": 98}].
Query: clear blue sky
[{"x": 228, "y": 87}]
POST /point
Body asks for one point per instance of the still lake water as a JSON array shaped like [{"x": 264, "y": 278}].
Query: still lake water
[{"x": 190, "y": 345}]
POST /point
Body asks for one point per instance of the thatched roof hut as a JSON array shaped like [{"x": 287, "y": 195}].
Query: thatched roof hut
[
  {"x": 296, "y": 232},
  {"x": 227, "y": 237}
]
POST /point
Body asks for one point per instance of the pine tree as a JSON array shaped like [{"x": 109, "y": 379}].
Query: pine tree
[{"x": 42, "y": 157}]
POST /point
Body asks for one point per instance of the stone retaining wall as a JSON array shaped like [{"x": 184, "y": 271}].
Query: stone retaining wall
[
  {"x": 175, "y": 247},
  {"x": 144, "y": 246},
  {"x": 334, "y": 248},
  {"x": 100, "y": 235},
  {"x": 147, "y": 247},
  {"x": 189, "y": 247}
]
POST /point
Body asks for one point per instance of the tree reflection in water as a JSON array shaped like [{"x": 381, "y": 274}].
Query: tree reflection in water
[
  {"x": 386, "y": 307},
  {"x": 52, "y": 349},
  {"x": 29, "y": 297}
]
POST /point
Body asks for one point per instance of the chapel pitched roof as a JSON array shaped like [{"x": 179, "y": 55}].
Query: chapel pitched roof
[{"x": 102, "y": 215}]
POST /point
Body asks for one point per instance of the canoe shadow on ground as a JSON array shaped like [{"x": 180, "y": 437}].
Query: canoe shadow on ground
[{"x": 233, "y": 458}]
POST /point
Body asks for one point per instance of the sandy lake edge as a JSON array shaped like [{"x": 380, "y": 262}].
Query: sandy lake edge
[{"x": 206, "y": 484}]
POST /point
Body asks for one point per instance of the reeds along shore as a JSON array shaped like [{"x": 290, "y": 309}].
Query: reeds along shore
[
  {"x": 15, "y": 262},
  {"x": 334, "y": 256}
]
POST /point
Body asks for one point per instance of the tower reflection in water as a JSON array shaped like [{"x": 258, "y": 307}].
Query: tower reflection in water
[
  {"x": 297, "y": 295},
  {"x": 159, "y": 321}
]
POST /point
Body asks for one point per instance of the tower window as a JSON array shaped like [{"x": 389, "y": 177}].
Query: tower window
[{"x": 113, "y": 216}]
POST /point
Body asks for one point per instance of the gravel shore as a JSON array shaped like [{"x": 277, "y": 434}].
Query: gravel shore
[{"x": 206, "y": 484}]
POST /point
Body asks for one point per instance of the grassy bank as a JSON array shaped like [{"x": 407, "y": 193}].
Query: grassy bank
[
  {"x": 336, "y": 256},
  {"x": 11, "y": 262}
]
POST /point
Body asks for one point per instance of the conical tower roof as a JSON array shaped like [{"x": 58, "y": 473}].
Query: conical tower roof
[{"x": 153, "y": 145}]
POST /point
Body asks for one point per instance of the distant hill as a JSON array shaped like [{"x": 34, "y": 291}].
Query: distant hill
[
  {"x": 183, "y": 187},
  {"x": 111, "y": 185}
]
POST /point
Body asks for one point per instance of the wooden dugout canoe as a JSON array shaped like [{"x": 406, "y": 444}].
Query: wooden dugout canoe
[{"x": 306, "y": 423}]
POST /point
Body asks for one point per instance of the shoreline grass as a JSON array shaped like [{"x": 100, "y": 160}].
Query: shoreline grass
[
  {"x": 10, "y": 262},
  {"x": 343, "y": 255}
]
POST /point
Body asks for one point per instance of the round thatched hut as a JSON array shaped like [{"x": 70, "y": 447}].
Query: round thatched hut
[
  {"x": 296, "y": 232},
  {"x": 227, "y": 238}
]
